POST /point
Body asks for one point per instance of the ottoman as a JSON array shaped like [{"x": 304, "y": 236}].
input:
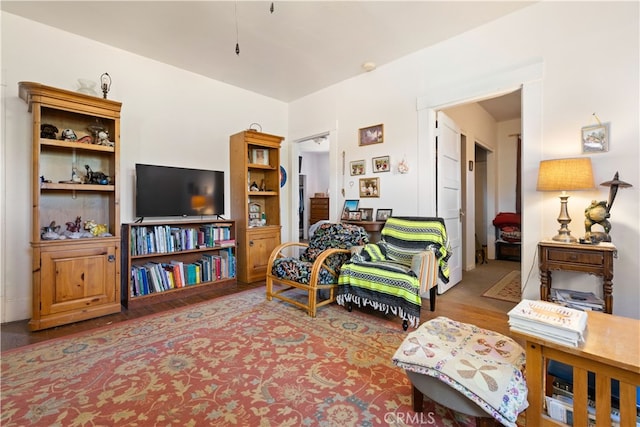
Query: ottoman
[{"x": 468, "y": 369}]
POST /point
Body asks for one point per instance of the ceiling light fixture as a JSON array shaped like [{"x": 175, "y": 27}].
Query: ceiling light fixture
[{"x": 369, "y": 66}]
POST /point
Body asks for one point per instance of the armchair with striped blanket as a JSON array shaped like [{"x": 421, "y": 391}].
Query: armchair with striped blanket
[{"x": 392, "y": 275}]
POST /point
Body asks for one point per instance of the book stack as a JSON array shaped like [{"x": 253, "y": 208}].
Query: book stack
[
  {"x": 552, "y": 322},
  {"x": 585, "y": 301}
]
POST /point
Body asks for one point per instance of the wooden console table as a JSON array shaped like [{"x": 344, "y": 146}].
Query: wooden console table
[
  {"x": 610, "y": 351},
  {"x": 592, "y": 259}
]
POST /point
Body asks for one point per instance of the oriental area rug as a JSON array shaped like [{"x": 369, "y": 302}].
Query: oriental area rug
[
  {"x": 507, "y": 288},
  {"x": 237, "y": 360}
]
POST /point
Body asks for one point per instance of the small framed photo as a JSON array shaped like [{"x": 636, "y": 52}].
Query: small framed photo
[
  {"x": 355, "y": 216},
  {"x": 260, "y": 156},
  {"x": 349, "y": 205},
  {"x": 369, "y": 187},
  {"x": 595, "y": 139},
  {"x": 381, "y": 164},
  {"x": 357, "y": 167},
  {"x": 383, "y": 214},
  {"x": 366, "y": 214},
  {"x": 371, "y": 135}
]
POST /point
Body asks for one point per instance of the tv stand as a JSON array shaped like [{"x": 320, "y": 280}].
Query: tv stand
[{"x": 201, "y": 252}]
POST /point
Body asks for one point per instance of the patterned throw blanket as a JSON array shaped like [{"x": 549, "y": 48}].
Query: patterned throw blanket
[
  {"x": 380, "y": 275},
  {"x": 483, "y": 365}
]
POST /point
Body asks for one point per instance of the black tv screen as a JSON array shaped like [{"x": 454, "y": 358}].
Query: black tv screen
[{"x": 175, "y": 191}]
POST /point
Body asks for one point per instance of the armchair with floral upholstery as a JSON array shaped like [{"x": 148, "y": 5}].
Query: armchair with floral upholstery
[
  {"x": 308, "y": 273},
  {"x": 392, "y": 275}
]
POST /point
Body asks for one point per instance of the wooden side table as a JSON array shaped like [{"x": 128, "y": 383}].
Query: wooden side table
[
  {"x": 610, "y": 350},
  {"x": 591, "y": 259}
]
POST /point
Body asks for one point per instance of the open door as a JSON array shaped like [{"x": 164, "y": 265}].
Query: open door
[{"x": 449, "y": 192}]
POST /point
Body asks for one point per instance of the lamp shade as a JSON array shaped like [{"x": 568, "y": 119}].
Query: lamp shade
[{"x": 565, "y": 175}]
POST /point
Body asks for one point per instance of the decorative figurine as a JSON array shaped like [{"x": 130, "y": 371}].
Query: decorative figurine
[
  {"x": 96, "y": 177},
  {"x": 96, "y": 229},
  {"x": 75, "y": 226},
  {"x": 599, "y": 212},
  {"x": 103, "y": 139},
  {"x": 48, "y": 131},
  {"x": 68, "y": 135},
  {"x": 50, "y": 232}
]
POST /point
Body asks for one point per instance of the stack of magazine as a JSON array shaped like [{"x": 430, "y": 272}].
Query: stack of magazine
[
  {"x": 550, "y": 321},
  {"x": 577, "y": 299}
]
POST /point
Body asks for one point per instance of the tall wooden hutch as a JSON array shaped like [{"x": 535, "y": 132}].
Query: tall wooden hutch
[
  {"x": 75, "y": 276},
  {"x": 255, "y": 200}
]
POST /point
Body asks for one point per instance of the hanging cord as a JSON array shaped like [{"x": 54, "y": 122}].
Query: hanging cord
[
  {"x": 526, "y": 282},
  {"x": 237, "y": 38}
]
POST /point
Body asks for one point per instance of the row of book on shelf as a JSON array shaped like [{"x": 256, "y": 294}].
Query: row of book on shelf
[
  {"x": 550, "y": 321},
  {"x": 586, "y": 301},
  {"x": 154, "y": 277},
  {"x": 560, "y": 408},
  {"x": 166, "y": 238}
]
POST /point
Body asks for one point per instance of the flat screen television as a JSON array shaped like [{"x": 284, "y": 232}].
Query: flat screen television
[{"x": 175, "y": 191}]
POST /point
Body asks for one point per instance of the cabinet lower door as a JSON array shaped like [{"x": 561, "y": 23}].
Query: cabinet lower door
[
  {"x": 260, "y": 244},
  {"x": 75, "y": 282}
]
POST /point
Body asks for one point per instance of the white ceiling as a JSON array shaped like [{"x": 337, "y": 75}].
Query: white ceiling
[{"x": 300, "y": 48}]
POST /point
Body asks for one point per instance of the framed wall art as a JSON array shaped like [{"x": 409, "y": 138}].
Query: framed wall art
[
  {"x": 357, "y": 167},
  {"x": 349, "y": 205},
  {"x": 381, "y": 164},
  {"x": 369, "y": 187},
  {"x": 595, "y": 139},
  {"x": 366, "y": 214},
  {"x": 383, "y": 214},
  {"x": 371, "y": 135}
]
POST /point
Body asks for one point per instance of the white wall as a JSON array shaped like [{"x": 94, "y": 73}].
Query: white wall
[
  {"x": 563, "y": 37},
  {"x": 169, "y": 117}
]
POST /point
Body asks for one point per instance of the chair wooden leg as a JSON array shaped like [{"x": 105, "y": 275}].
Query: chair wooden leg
[
  {"x": 432, "y": 298},
  {"x": 269, "y": 288},
  {"x": 418, "y": 400}
]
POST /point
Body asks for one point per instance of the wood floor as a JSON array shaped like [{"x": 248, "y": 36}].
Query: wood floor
[{"x": 462, "y": 303}]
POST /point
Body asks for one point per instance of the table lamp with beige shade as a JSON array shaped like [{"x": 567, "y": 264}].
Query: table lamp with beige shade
[{"x": 565, "y": 175}]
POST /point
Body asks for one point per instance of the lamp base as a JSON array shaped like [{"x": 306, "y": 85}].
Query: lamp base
[
  {"x": 564, "y": 238},
  {"x": 564, "y": 235}
]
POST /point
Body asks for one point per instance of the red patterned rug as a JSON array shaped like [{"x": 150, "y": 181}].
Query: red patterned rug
[{"x": 235, "y": 360}]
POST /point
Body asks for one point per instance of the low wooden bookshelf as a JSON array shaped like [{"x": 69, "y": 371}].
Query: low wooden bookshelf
[{"x": 173, "y": 250}]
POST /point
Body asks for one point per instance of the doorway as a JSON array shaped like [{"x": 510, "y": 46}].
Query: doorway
[{"x": 313, "y": 164}]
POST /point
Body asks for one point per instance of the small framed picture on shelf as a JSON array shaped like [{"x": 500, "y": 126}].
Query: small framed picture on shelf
[
  {"x": 369, "y": 187},
  {"x": 381, "y": 164},
  {"x": 357, "y": 167},
  {"x": 595, "y": 139},
  {"x": 371, "y": 135},
  {"x": 383, "y": 214},
  {"x": 355, "y": 216},
  {"x": 366, "y": 214},
  {"x": 349, "y": 205},
  {"x": 260, "y": 156}
]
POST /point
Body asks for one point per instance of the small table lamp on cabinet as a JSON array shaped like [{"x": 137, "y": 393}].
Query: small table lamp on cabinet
[{"x": 565, "y": 175}]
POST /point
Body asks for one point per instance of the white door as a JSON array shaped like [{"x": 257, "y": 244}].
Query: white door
[{"x": 448, "y": 190}]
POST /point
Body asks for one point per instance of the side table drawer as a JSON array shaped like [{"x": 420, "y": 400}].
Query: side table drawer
[{"x": 580, "y": 257}]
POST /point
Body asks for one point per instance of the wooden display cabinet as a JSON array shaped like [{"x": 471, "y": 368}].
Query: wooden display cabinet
[
  {"x": 255, "y": 200},
  {"x": 74, "y": 278},
  {"x": 166, "y": 244}
]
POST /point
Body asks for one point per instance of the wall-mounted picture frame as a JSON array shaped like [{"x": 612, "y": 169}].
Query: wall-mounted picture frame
[
  {"x": 357, "y": 167},
  {"x": 349, "y": 205},
  {"x": 381, "y": 164},
  {"x": 595, "y": 139},
  {"x": 383, "y": 214},
  {"x": 260, "y": 156},
  {"x": 371, "y": 135},
  {"x": 369, "y": 187},
  {"x": 366, "y": 214},
  {"x": 355, "y": 216}
]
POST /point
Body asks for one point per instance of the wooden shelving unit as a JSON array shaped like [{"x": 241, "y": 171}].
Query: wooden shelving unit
[
  {"x": 75, "y": 277},
  {"x": 161, "y": 246},
  {"x": 255, "y": 202}
]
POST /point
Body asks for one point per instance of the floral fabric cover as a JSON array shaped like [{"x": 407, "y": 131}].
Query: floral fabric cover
[
  {"x": 485, "y": 366},
  {"x": 327, "y": 236}
]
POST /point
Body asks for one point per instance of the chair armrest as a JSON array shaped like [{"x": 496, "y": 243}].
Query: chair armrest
[
  {"x": 320, "y": 262},
  {"x": 425, "y": 265},
  {"x": 278, "y": 252}
]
